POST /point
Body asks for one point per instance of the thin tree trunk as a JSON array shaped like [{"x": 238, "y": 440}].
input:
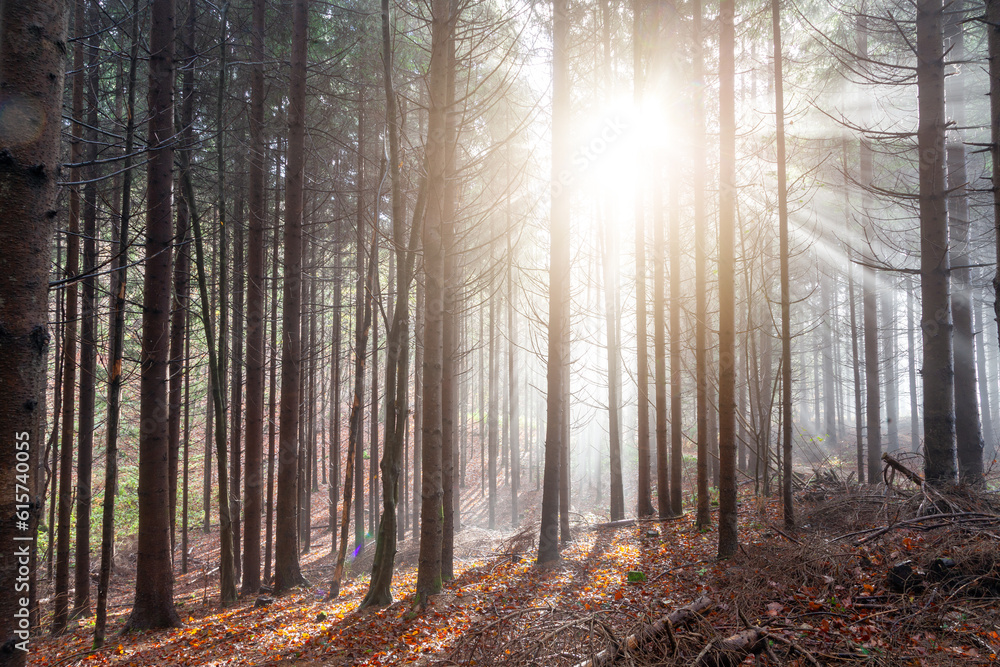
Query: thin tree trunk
[
  {"x": 891, "y": 374},
  {"x": 60, "y": 614},
  {"x": 116, "y": 337},
  {"x": 704, "y": 514},
  {"x": 786, "y": 294},
  {"x": 911, "y": 359},
  {"x": 88, "y": 336},
  {"x": 273, "y": 390}
]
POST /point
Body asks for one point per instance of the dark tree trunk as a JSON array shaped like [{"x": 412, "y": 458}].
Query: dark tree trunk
[
  {"x": 786, "y": 295},
  {"x": 154, "y": 602},
  {"x": 939, "y": 392},
  {"x": 61, "y": 594},
  {"x": 116, "y": 337},
  {"x": 272, "y": 383},
  {"x": 727, "y": 275},
  {"x": 704, "y": 514},
  {"x": 968, "y": 433},
  {"x": 88, "y": 336},
  {"x": 255, "y": 313},
  {"x": 32, "y": 59},
  {"x": 286, "y": 566}
]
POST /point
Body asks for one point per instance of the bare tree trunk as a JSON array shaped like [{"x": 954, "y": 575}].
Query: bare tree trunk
[
  {"x": 786, "y": 295},
  {"x": 939, "y": 393},
  {"x": 983, "y": 377},
  {"x": 911, "y": 357},
  {"x": 968, "y": 432},
  {"x": 255, "y": 313},
  {"x": 891, "y": 374},
  {"x": 727, "y": 275},
  {"x": 660, "y": 348},
  {"x": 704, "y": 515},
  {"x": 286, "y": 566},
  {"x": 88, "y": 336},
  {"x": 116, "y": 336},
  {"x": 60, "y": 614},
  {"x": 559, "y": 264},
  {"x": 32, "y": 59},
  {"x": 154, "y": 602},
  {"x": 273, "y": 385},
  {"x": 491, "y": 467},
  {"x": 431, "y": 520}
]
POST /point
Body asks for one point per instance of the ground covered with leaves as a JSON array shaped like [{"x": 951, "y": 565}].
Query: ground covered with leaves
[{"x": 873, "y": 576}]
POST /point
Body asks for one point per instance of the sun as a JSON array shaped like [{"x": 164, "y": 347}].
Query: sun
[{"x": 618, "y": 144}]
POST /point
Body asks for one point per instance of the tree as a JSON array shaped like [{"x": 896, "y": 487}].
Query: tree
[
  {"x": 968, "y": 432},
  {"x": 935, "y": 318},
  {"x": 557, "y": 364},
  {"x": 432, "y": 491},
  {"x": 286, "y": 557},
  {"x": 154, "y": 602},
  {"x": 32, "y": 60},
  {"x": 727, "y": 271},
  {"x": 60, "y": 614},
  {"x": 786, "y": 298},
  {"x": 255, "y": 313}
]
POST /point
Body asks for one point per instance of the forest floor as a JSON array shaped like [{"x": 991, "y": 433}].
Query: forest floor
[{"x": 827, "y": 594}]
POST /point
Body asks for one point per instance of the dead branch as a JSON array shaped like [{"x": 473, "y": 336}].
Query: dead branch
[
  {"x": 649, "y": 633},
  {"x": 903, "y": 470}
]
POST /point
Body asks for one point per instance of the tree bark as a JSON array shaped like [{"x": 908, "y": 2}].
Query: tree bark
[
  {"x": 255, "y": 313},
  {"x": 727, "y": 274},
  {"x": 935, "y": 321},
  {"x": 116, "y": 337},
  {"x": 432, "y": 492},
  {"x": 968, "y": 431},
  {"x": 154, "y": 602},
  {"x": 32, "y": 59},
  {"x": 786, "y": 295},
  {"x": 286, "y": 567},
  {"x": 60, "y": 613}
]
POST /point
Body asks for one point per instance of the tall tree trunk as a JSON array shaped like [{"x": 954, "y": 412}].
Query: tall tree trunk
[
  {"x": 513, "y": 417},
  {"x": 786, "y": 294},
  {"x": 939, "y": 393},
  {"x": 116, "y": 335},
  {"x": 491, "y": 467},
  {"x": 61, "y": 594},
  {"x": 154, "y": 602},
  {"x": 968, "y": 433},
  {"x": 335, "y": 397},
  {"x": 362, "y": 300},
  {"x": 704, "y": 514},
  {"x": 236, "y": 381},
  {"x": 88, "y": 335},
  {"x": 32, "y": 59},
  {"x": 559, "y": 264},
  {"x": 660, "y": 347},
  {"x": 273, "y": 386},
  {"x": 983, "y": 376},
  {"x": 727, "y": 274},
  {"x": 255, "y": 312},
  {"x": 870, "y": 300},
  {"x": 431, "y": 524},
  {"x": 911, "y": 359},
  {"x": 891, "y": 371},
  {"x": 397, "y": 348},
  {"x": 286, "y": 566}
]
